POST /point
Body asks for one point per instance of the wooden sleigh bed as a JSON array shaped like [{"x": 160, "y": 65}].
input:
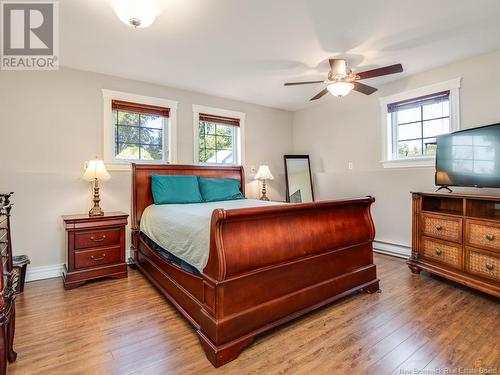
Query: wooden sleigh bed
[{"x": 266, "y": 265}]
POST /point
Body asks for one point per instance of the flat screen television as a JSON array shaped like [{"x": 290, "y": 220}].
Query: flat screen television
[{"x": 469, "y": 158}]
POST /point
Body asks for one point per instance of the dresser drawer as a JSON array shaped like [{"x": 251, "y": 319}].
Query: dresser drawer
[
  {"x": 97, "y": 257},
  {"x": 443, "y": 227},
  {"x": 483, "y": 234},
  {"x": 95, "y": 238},
  {"x": 483, "y": 263},
  {"x": 446, "y": 252}
]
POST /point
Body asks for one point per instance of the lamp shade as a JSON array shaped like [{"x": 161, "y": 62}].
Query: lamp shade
[
  {"x": 264, "y": 173},
  {"x": 340, "y": 88},
  {"x": 96, "y": 169}
]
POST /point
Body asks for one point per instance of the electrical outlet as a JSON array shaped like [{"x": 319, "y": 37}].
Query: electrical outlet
[
  {"x": 350, "y": 165},
  {"x": 253, "y": 169}
]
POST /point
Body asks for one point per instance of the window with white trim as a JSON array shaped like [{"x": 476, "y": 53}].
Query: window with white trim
[
  {"x": 415, "y": 123},
  {"x": 411, "y": 121},
  {"x": 138, "y": 129},
  {"x": 217, "y": 136}
]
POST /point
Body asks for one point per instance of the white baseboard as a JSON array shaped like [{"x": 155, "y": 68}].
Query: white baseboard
[
  {"x": 392, "y": 249},
  {"x": 44, "y": 272}
]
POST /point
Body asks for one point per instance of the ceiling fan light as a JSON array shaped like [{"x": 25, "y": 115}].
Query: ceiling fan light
[
  {"x": 340, "y": 88},
  {"x": 136, "y": 13}
]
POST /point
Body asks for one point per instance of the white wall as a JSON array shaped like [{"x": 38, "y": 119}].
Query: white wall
[
  {"x": 51, "y": 122},
  {"x": 342, "y": 130}
]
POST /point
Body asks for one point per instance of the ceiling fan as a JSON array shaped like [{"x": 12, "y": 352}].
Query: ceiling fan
[{"x": 341, "y": 79}]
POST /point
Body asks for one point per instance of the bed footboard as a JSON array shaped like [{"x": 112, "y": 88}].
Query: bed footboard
[{"x": 270, "y": 265}]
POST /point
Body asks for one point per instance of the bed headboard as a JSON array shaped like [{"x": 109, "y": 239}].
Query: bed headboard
[{"x": 141, "y": 181}]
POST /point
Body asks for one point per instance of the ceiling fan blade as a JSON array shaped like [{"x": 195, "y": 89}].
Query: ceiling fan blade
[
  {"x": 391, "y": 69},
  {"x": 301, "y": 83},
  {"x": 364, "y": 89},
  {"x": 319, "y": 95}
]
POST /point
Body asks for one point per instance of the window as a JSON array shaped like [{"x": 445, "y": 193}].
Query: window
[
  {"x": 411, "y": 122},
  {"x": 217, "y": 142},
  {"x": 217, "y": 136},
  {"x": 416, "y": 123},
  {"x": 138, "y": 129}
]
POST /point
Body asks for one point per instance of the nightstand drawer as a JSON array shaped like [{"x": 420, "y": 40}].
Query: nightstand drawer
[
  {"x": 97, "y": 257},
  {"x": 85, "y": 240}
]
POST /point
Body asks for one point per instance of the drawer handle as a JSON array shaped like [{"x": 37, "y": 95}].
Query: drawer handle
[
  {"x": 490, "y": 237},
  {"x": 489, "y": 266},
  {"x": 438, "y": 227},
  {"x": 439, "y": 251},
  {"x": 98, "y": 239},
  {"x": 94, "y": 258}
]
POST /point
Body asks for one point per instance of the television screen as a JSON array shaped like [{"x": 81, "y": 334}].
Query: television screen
[{"x": 469, "y": 157}]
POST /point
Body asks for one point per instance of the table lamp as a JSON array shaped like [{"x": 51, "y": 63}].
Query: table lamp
[
  {"x": 96, "y": 171},
  {"x": 264, "y": 174}
]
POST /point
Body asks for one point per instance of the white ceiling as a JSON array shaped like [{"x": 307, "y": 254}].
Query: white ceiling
[{"x": 247, "y": 49}]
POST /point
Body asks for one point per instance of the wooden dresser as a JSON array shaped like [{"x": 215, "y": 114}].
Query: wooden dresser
[
  {"x": 7, "y": 293},
  {"x": 457, "y": 236},
  {"x": 95, "y": 247}
]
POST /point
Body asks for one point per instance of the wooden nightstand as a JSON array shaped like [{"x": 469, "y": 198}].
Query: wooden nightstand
[{"x": 95, "y": 247}]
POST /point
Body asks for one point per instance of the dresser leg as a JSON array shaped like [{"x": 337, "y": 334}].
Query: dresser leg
[
  {"x": 73, "y": 285},
  {"x": 11, "y": 328},
  {"x": 119, "y": 275},
  {"x": 414, "y": 269}
]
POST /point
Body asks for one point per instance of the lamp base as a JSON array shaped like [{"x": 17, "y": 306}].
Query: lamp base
[
  {"x": 264, "y": 197},
  {"x": 96, "y": 211}
]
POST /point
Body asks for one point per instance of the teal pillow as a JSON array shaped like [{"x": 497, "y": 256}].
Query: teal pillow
[
  {"x": 175, "y": 189},
  {"x": 219, "y": 189}
]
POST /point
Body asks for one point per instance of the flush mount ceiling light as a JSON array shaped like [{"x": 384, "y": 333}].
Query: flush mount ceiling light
[{"x": 136, "y": 13}]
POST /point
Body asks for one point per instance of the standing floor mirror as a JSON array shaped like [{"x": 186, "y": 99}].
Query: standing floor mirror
[{"x": 299, "y": 188}]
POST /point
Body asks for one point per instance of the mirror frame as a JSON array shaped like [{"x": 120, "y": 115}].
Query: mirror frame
[{"x": 285, "y": 158}]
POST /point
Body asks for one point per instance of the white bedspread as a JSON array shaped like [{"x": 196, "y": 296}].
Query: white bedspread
[{"x": 184, "y": 229}]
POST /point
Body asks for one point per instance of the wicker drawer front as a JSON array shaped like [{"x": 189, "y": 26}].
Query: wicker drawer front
[
  {"x": 484, "y": 264},
  {"x": 483, "y": 234},
  {"x": 85, "y": 240},
  {"x": 448, "y": 253},
  {"x": 442, "y": 227}
]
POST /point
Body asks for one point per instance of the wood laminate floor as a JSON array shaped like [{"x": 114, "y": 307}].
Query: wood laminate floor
[{"x": 126, "y": 327}]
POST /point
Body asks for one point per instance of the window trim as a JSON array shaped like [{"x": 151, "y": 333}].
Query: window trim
[
  {"x": 170, "y": 135},
  {"x": 388, "y": 161},
  {"x": 239, "y": 132}
]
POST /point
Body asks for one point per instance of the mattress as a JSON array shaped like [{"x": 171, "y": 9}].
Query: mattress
[{"x": 183, "y": 230}]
